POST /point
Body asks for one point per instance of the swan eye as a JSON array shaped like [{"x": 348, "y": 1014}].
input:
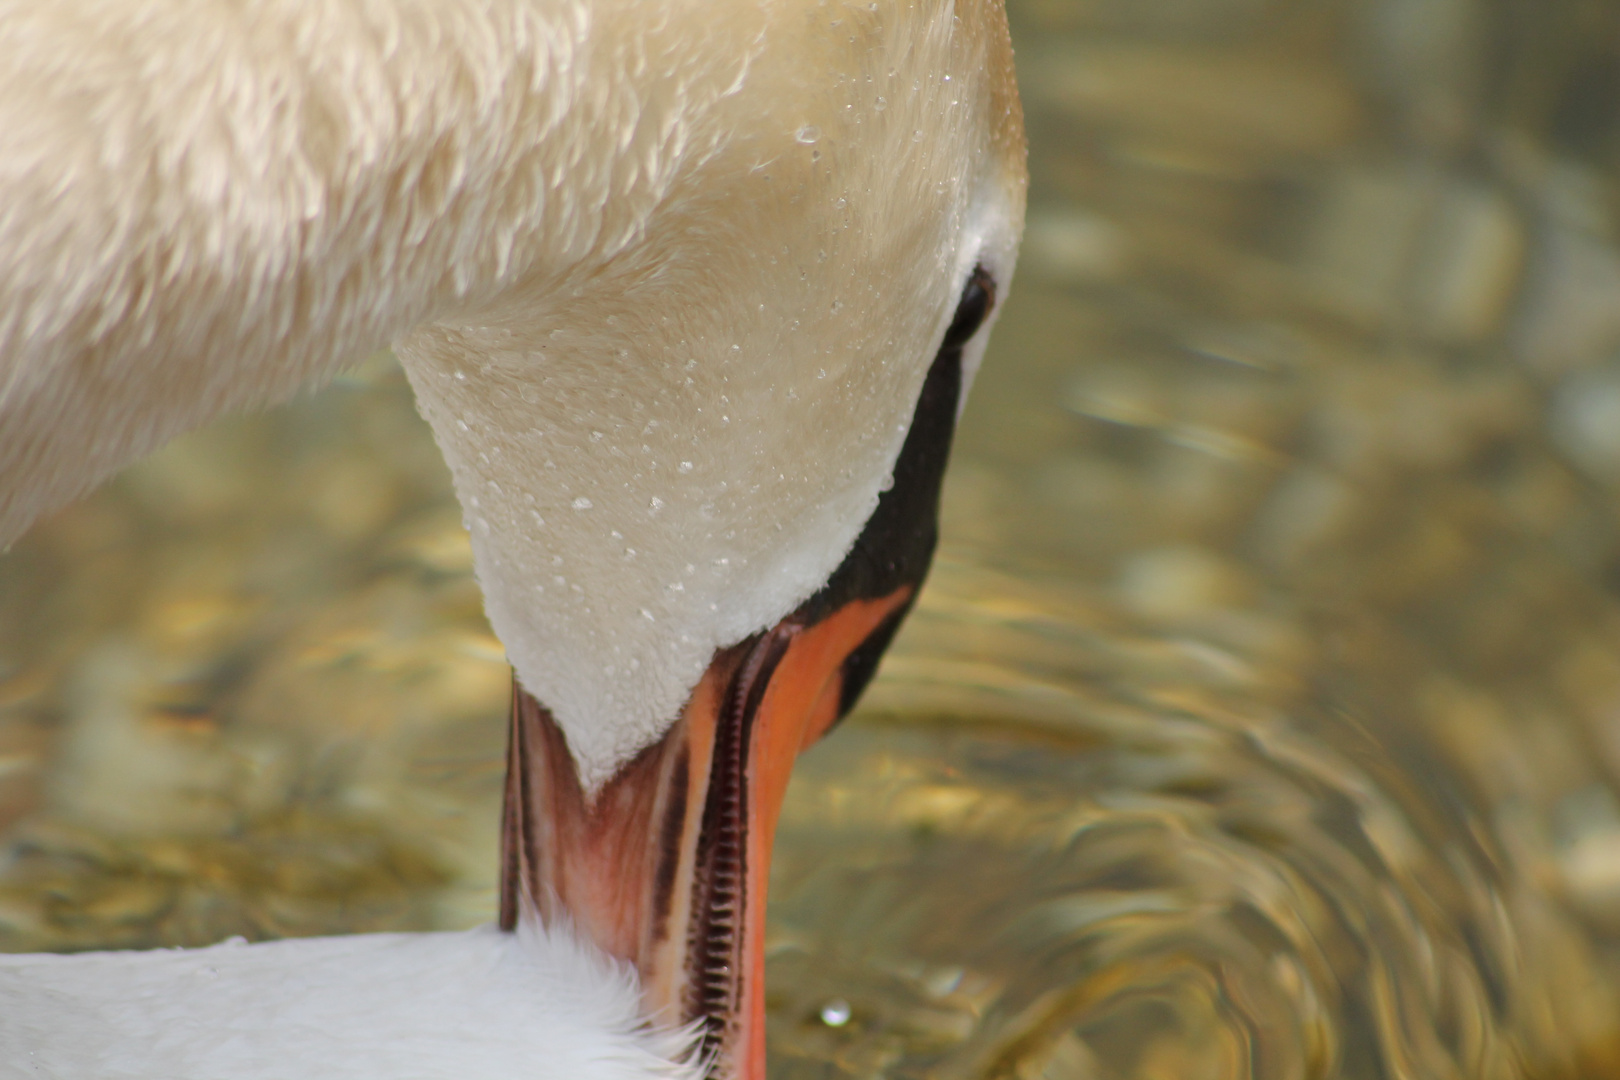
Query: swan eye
[{"x": 978, "y": 297}]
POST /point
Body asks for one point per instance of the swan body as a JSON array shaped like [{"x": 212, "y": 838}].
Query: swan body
[
  {"x": 690, "y": 292},
  {"x": 445, "y": 1006}
]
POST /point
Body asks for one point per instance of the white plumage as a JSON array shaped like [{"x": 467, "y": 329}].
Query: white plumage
[
  {"x": 477, "y": 1005},
  {"x": 665, "y": 274}
]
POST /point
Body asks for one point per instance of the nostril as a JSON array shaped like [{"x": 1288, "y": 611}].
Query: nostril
[{"x": 978, "y": 297}]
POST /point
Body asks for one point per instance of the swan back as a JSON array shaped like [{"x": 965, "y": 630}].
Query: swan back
[{"x": 535, "y": 1005}]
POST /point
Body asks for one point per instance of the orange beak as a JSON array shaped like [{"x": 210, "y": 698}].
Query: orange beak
[{"x": 666, "y": 866}]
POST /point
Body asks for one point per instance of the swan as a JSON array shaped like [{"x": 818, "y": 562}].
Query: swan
[{"x": 690, "y": 292}]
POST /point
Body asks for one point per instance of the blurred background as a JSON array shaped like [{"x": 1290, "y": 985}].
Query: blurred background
[{"x": 1261, "y": 719}]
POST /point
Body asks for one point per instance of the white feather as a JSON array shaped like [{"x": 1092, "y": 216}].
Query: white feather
[
  {"x": 476, "y": 1005},
  {"x": 665, "y": 274}
]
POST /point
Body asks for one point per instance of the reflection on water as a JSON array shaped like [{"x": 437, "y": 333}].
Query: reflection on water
[
  {"x": 1068, "y": 843},
  {"x": 1263, "y": 717}
]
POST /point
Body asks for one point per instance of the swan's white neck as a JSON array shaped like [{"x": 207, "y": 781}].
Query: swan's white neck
[{"x": 666, "y": 274}]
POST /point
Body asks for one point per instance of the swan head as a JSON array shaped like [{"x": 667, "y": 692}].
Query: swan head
[{"x": 699, "y": 454}]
